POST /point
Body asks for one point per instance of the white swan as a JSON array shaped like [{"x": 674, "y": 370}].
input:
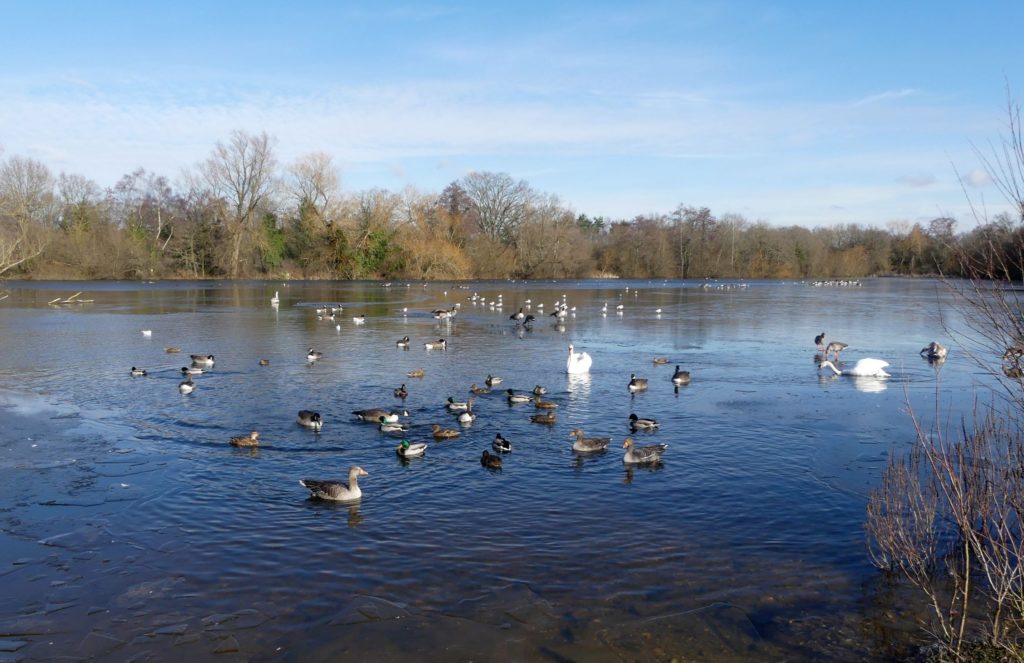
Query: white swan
[
  {"x": 864, "y": 368},
  {"x": 275, "y": 300},
  {"x": 578, "y": 362}
]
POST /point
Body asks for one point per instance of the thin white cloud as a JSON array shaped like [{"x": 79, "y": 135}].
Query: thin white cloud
[
  {"x": 885, "y": 96},
  {"x": 978, "y": 178}
]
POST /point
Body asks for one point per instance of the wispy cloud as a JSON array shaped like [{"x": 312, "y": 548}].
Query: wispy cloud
[{"x": 885, "y": 96}]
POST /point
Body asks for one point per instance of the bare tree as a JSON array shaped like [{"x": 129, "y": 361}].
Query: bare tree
[
  {"x": 498, "y": 202},
  {"x": 313, "y": 181},
  {"x": 241, "y": 171},
  {"x": 28, "y": 210}
]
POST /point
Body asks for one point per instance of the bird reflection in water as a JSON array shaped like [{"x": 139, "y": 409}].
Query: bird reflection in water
[{"x": 647, "y": 467}]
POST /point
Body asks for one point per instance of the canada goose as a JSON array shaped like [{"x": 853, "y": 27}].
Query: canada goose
[
  {"x": 648, "y": 454},
  {"x": 313, "y": 355},
  {"x": 680, "y": 377},
  {"x": 439, "y": 344},
  {"x": 403, "y": 342},
  {"x": 250, "y": 440},
  {"x": 137, "y": 372},
  {"x": 203, "y": 359},
  {"x": 819, "y": 341},
  {"x": 401, "y": 392},
  {"x": 334, "y": 490},
  {"x": 187, "y": 387},
  {"x": 637, "y": 384},
  {"x": 310, "y": 419}
]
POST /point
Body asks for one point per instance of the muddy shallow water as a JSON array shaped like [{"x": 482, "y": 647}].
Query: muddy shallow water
[{"x": 131, "y": 530}]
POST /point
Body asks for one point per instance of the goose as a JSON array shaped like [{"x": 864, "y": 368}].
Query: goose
[
  {"x": 374, "y": 415},
  {"x": 647, "y": 454},
  {"x": 171, "y": 349},
  {"x": 203, "y": 359},
  {"x": 528, "y": 320},
  {"x": 588, "y": 444},
  {"x": 250, "y": 440},
  {"x": 935, "y": 351},
  {"x": 138, "y": 372},
  {"x": 407, "y": 450},
  {"x": 390, "y": 426},
  {"x": 443, "y": 433},
  {"x": 543, "y": 418},
  {"x": 473, "y": 389},
  {"x": 544, "y": 405},
  {"x": 660, "y": 361},
  {"x": 680, "y": 377},
  {"x": 501, "y": 445},
  {"x": 637, "y": 384},
  {"x": 403, "y": 342},
  {"x": 539, "y": 390},
  {"x": 457, "y": 406},
  {"x": 439, "y": 344},
  {"x": 513, "y": 397},
  {"x": 313, "y": 355},
  {"x": 191, "y": 370},
  {"x": 264, "y": 362},
  {"x": 492, "y": 462},
  {"x": 275, "y": 300},
  {"x": 637, "y": 423},
  {"x": 518, "y": 316},
  {"x": 310, "y": 419},
  {"x": 578, "y": 362},
  {"x": 187, "y": 387},
  {"x": 336, "y": 491},
  {"x": 834, "y": 348},
  {"x": 492, "y": 380},
  {"x": 416, "y": 373},
  {"x": 401, "y": 392},
  {"x": 819, "y": 341},
  {"x": 867, "y": 367}
]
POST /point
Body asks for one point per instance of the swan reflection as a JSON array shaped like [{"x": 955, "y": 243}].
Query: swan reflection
[
  {"x": 579, "y": 384},
  {"x": 870, "y": 385}
]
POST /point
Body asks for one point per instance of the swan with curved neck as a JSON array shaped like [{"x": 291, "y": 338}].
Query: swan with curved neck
[
  {"x": 864, "y": 368},
  {"x": 578, "y": 362}
]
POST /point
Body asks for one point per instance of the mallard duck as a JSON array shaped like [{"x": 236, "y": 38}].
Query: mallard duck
[
  {"x": 334, "y": 490},
  {"x": 391, "y": 426},
  {"x": 401, "y": 392},
  {"x": 492, "y": 380},
  {"x": 443, "y": 433},
  {"x": 501, "y": 445},
  {"x": 487, "y": 460},
  {"x": 250, "y": 440},
  {"x": 544, "y": 405},
  {"x": 407, "y": 450},
  {"x": 416, "y": 373},
  {"x": 539, "y": 390},
  {"x": 439, "y": 344},
  {"x": 203, "y": 359},
  {"x": 264, "y": 362},
  {"x": 310, "y": 419},
  {"x": 467, "y": 417},
  {"x": 648, "y": 454},
  {"x": 480, "y": 391},
  {"x": 545, "y": 418},
  {"x": 834, "y": 348},
  {"x": 588, "y": 444},
  {"x": 513, "y": 397},
  {"x": 373, "y": 415},
  {"x": 171, "y": 350},
  {"x": 636, "y": 423},
  {"x": 138, "y": 372},
  {"x": 191, "y": 370},
  {"x": 659, "y": 361},
  {"x": 403, "y": 342},
  {"x": 935, "y": 351},
  {"x": 187, "y": 387},
  {"x": 680, "y": 377},
  {"x": 456, "y": 406},
  {"x": 637, "y": 384},
  {"x": 313, "y": 355}
]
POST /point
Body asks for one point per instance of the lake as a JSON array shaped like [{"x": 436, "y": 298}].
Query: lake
[{"x": 132, "y": 530}]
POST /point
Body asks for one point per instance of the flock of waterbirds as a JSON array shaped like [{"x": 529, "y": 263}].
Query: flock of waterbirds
[{"x": 389, "y": 421}]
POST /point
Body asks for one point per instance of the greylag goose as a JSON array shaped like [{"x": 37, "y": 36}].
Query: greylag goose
[
  {"x": 588, "y": 444},
  {"x": 647, "y": 454},
  {"x": 334, "y": 490},
  {"x": 834, "y": 348}
]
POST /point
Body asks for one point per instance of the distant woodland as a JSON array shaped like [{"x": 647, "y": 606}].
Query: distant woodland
[{"x": 241, "y": 214}]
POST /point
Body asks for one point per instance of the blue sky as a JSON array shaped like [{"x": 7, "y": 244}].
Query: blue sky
[{"x": 809, "y": 113}]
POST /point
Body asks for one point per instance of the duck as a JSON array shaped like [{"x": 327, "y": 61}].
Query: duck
[
  {"x": 439, "y": 344},
  {"x": 492, "y": 462},
  {"x": 587, "y": 444},
  {"x": 359, "y": 319},
  {"x": 191, "y": 370},
  {"x": 544, "y": 405},
  {"x": 539, "y": 390},
  {"x": 543, "y": 418},
  {"x": 250, "y": 440},
  {"x": 680, "y": 377},
  {"x": 638, "y": 423},
  {"x": 138, "y": 372},
  {"x": 401, "y": 392},
  {"x": 456, "y": 406},
  {"x": 659, "y": 361},
  {"x": 467, "y": 417},
  {"x": 375, "y": 414},
  {"x": 416, "y": 373},
  {"x": 637, "y": 384},
  {"x": 391, "y": 426},
  {"x": 935, "y": 351},
  {"x": 408, "y": 450},
  {"x": 513, "y": 397},
  {"x": 480, "y": 391},
  {"x": 646, "y": 454},
  {"x": 264, "y": 362},
  {"x": 203, "y": 359},
  {"x": 403, "y": 343},
  {"x": 313, "y": 355},
  {"x": 310, "y": 419},
  {"x": 334, "y": 490},
  {"x": 443, "y": 433},
  {"x": 834, "y": 348},
  {"x": 864, "y": 368},
  {"x": 171, "y": 350},
  {"x": 819, "y": 341},
  {"x": 492, "y": 380},
  {"x": 187, "y": 387},
  {"x": 578, "y": 362},
  {"x": 501, "y": 445}
]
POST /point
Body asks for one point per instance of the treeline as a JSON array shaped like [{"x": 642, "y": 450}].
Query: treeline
[{"x": 240, "y": 214}]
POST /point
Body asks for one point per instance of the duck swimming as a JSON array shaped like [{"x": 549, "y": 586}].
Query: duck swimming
[
  {"x": 187, "y": 387},
  {"x": 637, "y": 455},
  {"x": 191, "y": 370},
  {"x": 456, "y": 406},
  {"x": 501, "y": 445},
  {"x": 443, "y": 433},
  {"x": 334, "y": 490},
  {"x": 137, "y": 372},
  {"x": 407, "y": 450},
  {"x": 513, "y": 397},
  {"x": 439, "y": 344},
  {"x": 637, "y": 423},
  {"x": 250, "y": 440},
  {"x": 401, "y": 392},
  {"x": 492, "y": 380},
  {"x": 935, "y": 351},
  {"x": 492, "y": 462},
  {"x": 544, "y": 405},
  {"x": 544, "y": 418},
  {"x": 416, "y": 373},
  {"x": 310, "y": 419},
  {"x": 391, "y": 426}
]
